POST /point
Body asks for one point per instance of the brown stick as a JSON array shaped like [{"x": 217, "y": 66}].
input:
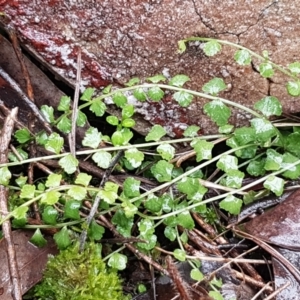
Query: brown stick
[{"x": 6, "y": 228}]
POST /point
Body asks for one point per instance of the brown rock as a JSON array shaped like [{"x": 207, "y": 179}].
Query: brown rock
[{"x": 122, "y": 39}]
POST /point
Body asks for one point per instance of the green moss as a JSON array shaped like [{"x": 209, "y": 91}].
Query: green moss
[{"x": 79, "y": 276}]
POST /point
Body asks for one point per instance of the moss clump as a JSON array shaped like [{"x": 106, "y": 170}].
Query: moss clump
[{"x": 79, "y": 276}]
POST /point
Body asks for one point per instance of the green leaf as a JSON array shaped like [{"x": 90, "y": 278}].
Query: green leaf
[
  {"x": 48, "y": 113},
  {"x": 5, "y": 176},
  {"x": 188, "y": 186},
  {"x": 27, "y": 191},
  {"x": 234, "y": 179},
  {"x": 162, "y": 171},
  {"x": 155, "y": 134},
  {"x": 131, "y": 187},
  {"x": 244, "y": 135},
  {"x": 227, "y": 163},
  {"x": 274, "y": 184},
  {"x": 134, "y": 157},
  {"x": 242, "y": 57},
  {"x": 69, "y": 163},
  {"x": 21, "y": 152},
  {"x": 293, "y": 172},
  {"x": 81, "y": 119},
  {"x": 77, "y": 192},
  {"x": 153, "y": 203},
  {"x": 146, "y": 227},
  {"x": 217, "y": 111},
  {"x": 166, "y": 151},
  {"x": 38, "y": 239},
  {"x": 266, "y": 70},
  {"x": 140, "y": 94},
  {"x": 216, "y": 295},
  {"x": 92, "y": 138},
  {"x": 132, "y": 81},
  {"x": 53, "y": 180},
  {"x": 95, "y": 231},
  {"x": 127, "y": 111},
  {"x": 20, "y": 181},
  {"x": 128, "y": 123},
  {"x": 22, "y": 135},
  {"x": 202, "y": 149},
  {"x": 107, "y": 89},
  {"x": 64, "y": 104},
  {"x": 87, "y": 94},
  {"x": 181, "y": 46},
  {"x": 264, "y": 130},
  {"x": 231, "y": 204},
  {"x": 20, "y": 212},
  {"x": 117, "y": 261},
  {"x": 179, "y": 254},
  {"x": 50, "y": 215},
  {"x": 102, "y": 159},
  {"x": 119, "y": 99},
  {"x": 72, "y": 210},
  {"x": 179, "y": 80},
  {"x": 185, "y": 220},
  {"x": 123, "y": 223},
  {"x": 214, "y": 86},
  {"x": 155, "y": 93},
  {"x": 211, "y": 48},
  {"x": 226, "y": 129},
  {"x": 98, "y": 107},
  {"x": 83, "y": 179},
  {"x": 292, "y": 142},
  {"x": 64, "y": 125},
  {"x": 183, "y": 98},
  {"x": 269, "y": 106},
  {"x": 156, "y": 78},
  {"x": 112, "y": 120},
  {"x": 121, "y": 137},
  {"x": 50, "y": 198},
  {"x": 168, "y": 203},
  {"x": 196, "y": 275},
  {"x": 191, "y": 131},
  {"x": 62, "y": 238},
  {"x": 294, "y": 67},
  {"x": 54, "y": 143},
  {"x": 41, "y": 138},
  {"x": 293, "y": 88},
  {"x": 109, "y": 193},
  {"x": 170, "y": 233},
  {"x": 273, "y": 161},
  {"x": 256, "y": 168}
]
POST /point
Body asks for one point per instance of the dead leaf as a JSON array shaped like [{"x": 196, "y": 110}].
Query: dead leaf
[{"x": 31, "y": 262}]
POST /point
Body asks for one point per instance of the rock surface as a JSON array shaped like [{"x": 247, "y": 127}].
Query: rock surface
[{"x": 121, "y": 39}]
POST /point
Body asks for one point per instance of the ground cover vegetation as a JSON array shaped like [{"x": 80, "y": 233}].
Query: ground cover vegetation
[{"x": 163, "y": 186}]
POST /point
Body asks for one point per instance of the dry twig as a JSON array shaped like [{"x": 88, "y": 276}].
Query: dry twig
[{"x": 6, "y": 227}]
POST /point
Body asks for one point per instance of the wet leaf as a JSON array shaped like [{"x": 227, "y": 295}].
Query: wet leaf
[
  {"x": 54, "y": 143},
  {"x": 231, "y": 204},
  {"x": 217, "y": 111},
  {"x": 155, "y": 134},
  {"x": 211, "y": 48},
  {"x": 92, "y": 138},
  {"x": 72, "y": 210},
  {"x": 242, "y": 57},
  {"x": 269, "y": 106},
  {"x": 118, "y": 261},
  {"x": 179, "y": 80},
  {"x": 102, "y": 159},
  {"x": 69, "y": 163},
  {"x": 214, "y": 86}
]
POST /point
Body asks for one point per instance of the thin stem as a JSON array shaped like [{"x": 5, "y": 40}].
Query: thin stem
[{"x": 281, "y": 69}]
